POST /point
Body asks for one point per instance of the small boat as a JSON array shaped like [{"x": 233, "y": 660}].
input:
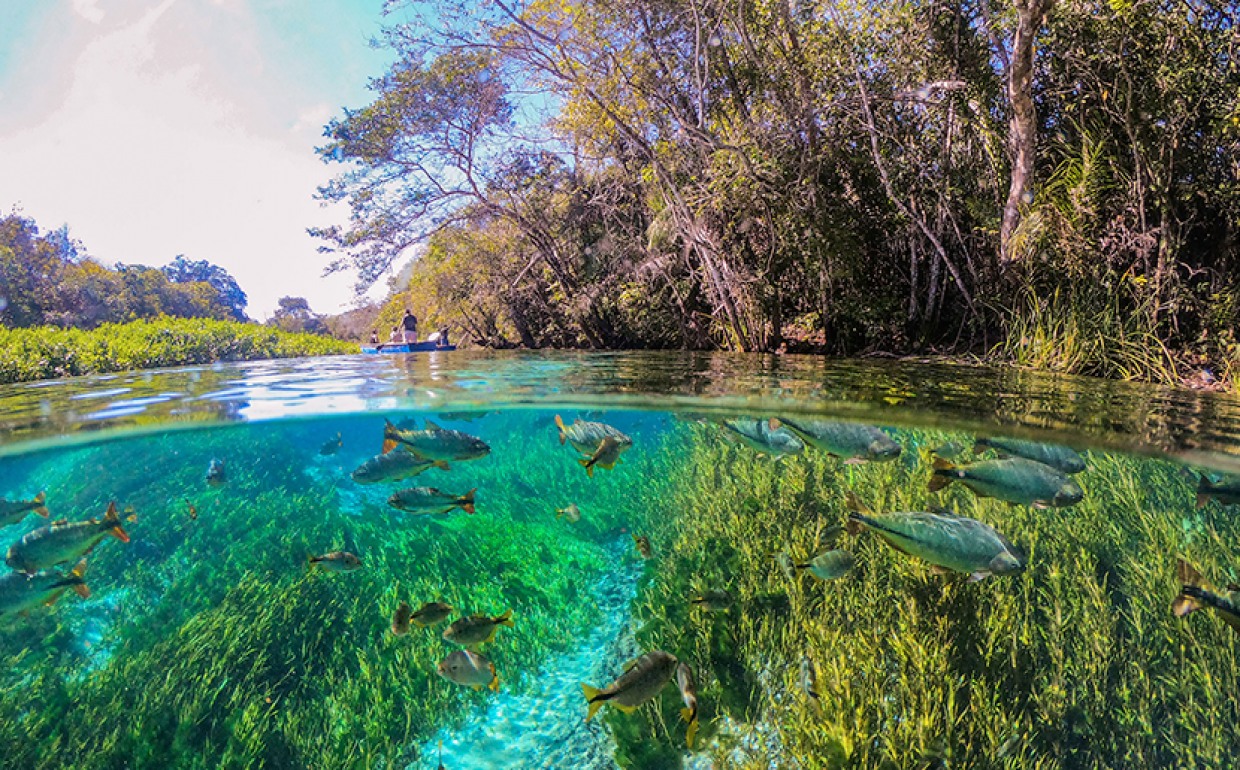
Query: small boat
[{"x": 407, "y": 347}]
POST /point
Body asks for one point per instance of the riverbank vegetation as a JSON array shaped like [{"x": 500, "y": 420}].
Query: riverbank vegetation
[{"x": 1046, "y": 183}]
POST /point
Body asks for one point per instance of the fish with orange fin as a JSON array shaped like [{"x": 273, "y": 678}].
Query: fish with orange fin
[
  {"x": 396, "y": 465},
  {"x": 435, "y": 443},
  {"x": 13, "y": 511},
  {"x": 64, "y": 541},
  {"x": 641, "y": 681},
  {"x": 400, "y": 619},
  {"x": 427, "y": 501},
  {"x": 476, "y": 629},
  {"x": 688, "y": 693},
  {"x": 607, "y": 455},
  {"x": 587, "y": 437},
  {"x": 193, "y": 512},
  {"x": 332, "y": 446},
  {"x": 336, "y": 561},
  {"x": 1197, "y": 593},
  {"x": 20, "y": 593},
  {"x": 643, "y": 546},
  {"x": 468, "y": 668},
  {"x": 1226, "y": 491}
]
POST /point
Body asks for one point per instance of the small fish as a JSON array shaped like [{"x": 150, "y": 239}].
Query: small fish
[
  {"x": 642, "y": 679},
  {"x": 332, "y": 446},
  {"x": 20, "y": 593},
  {"x": 441, "y": 767},
  {"x": 586, "y": 437},
  {"x": 854, "y": 442},
  {"x": 1059, "y": 457},
  {"x": 427, "y": 501},
  {"x": 1226, "y": 491},
  {"x": 1197, "y": 593},
  {"x": 947, "y": 450},
  {"x": 400, "y": 619},
  {"x": 462, "y": 416},
  {"x": 572, "y": 513},
  {"x": 807, "y": 678},
  {"x": 476, "y": 629},
  {"x": 714, "y": 601},
  {"x": 785, "y": 564},
  {"x": 1013, "y": 480},
  {"x": 688, "y": 693},
  {"x": 468, "y": 668},
  {"x": 13, "y": 511},
  {"x": 643, "y": 546},
  {"x": 761, "y": 437},
  {"x": 607, "y": 455},
  {"x": 63, "y": 541},
  {"x": 216, "y": 476},
  {"x": 193, "y": 512},
  {"x": 430, "y": 614},
  {"x": 831, "y": 565},
  {"x": 435, "y": 443},
  {"x": 397, "y": 465},
  {"x": 337, "y": 561},
  {"x": 950, "y": 542}
]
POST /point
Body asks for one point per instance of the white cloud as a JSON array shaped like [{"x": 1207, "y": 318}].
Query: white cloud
[{"x": 89, "y": 10}]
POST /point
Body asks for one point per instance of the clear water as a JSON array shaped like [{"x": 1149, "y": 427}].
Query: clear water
[{"x": 207, "y": 641}]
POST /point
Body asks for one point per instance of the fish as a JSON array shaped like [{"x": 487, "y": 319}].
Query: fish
[
  {"x": 607, "y": 455},
  {"x": 948, "y": 450},
  {"x": 855, "y": 442},
  {"x": 476, "y": 629},
  {"x": 435, "y": 443},
  {"x": 63, "y": 541},
  {"x": 642, "y": 679},
  {"x": 216, "y": 475},
  {"x": 714, "y": 600},
  {"x": 430, "y": 614},
  {"x": 427, "y": 501},
  {"x": 807, "y": 680},
  {"x": 785, "y": 564},
  {"x": 20, "y": 593},
  {"x": 468, "y": 668},
  {"x": 586, "y": 437},
  {"x": 948, "y": 541},
  {"x": 193, "y": 512},
  {"x": 337, "y": 561},
  {"x": 1226, "y": 491},
  {"x": 688, "y": 693},
  {"x": 462, "y": 416},
  {"x": 831, "y": 565},
  {"x": 1013, "y": 480},
  {"x": 1057, "y": 456},
  {"x": 761, "y": 437},
  {"x": 332, "y": 446},
  {"x": 400, "y": 619},
  {"x": 643, "y": 546},
  {"x": 572, "y": 513},
  {"x": 13, "y": 511},
  {"x": 395, "y": 466},
  {"x": 1197, "y": 593},
  {"x": 441, "y": 767}
]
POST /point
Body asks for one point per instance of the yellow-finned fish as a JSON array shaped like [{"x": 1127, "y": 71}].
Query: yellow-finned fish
[
  {"x": 807, "y": 679},
  {"x": 688, "y": 693},
  {"x": 20, "y": 593},
  {"x": 950, "y": 542},
  {"x": 332, "y": 446},
  {"x": 397, "y": 465},
  {"x": 785, "y": 565},
  {"x": 572, "y": 513},
  {"x": 13, "y": 511},
  {"x": 476, "y": 629},
  {"x": 854, "y": 442},
  {"x": 430, "y": 614},
  {"x": 427, "y": 501},
  {"x": 435, "y": 443},
  {"x": 1013, "y": 480},
  {"x": 1197, "y": 593},
  {"x": 63, "y": 541},
  {"x": 587, "y": 437},
  {"x": 466, "y": 667},
  {"x": 336, "y": 561},
  {"x": 643, "y": 546},
  {"x": 715, "y": 600},
  {"x": 831, "y": 565},
  {"x": 607, "y": 455},
  {"x": 400, "y": 619},
  {"x": 641, "y": 681}
]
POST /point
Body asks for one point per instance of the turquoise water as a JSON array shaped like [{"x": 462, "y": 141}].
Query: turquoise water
[{"x": 210, "y": 640}]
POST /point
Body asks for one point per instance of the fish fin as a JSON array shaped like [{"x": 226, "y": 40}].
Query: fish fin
[
  {"x": 1233, "y": 587},
  {"x": 80, "y": 572},
  {"x": 494, "y": 685},
  {"x": 1205, "y": 490},
  {"x": 505, "y": 619},
  {"x": 389, "y": 444},
  {"x": 625, "y": 709},
  {"x": 938, "y": 569},
  {"x": 432, "y": 426},
  {"x": 42, "y": 509},
  {"x": 853, "y": 503},
  {"x": 442, "y": 465},
  {"x": 594, "y": 696},
  {"x": 559, "y": 423},
  {"x": 1189, "y": 575},
  {"x": 691, "y": 732},
  {"x": 589, "y": 466},
  {"x": 82, "y": 590},
  {"x": 1183, "y": 604},
  {"x": 942, "y": 474},
  {"x": 628, "y": 665},
  {"x": 559, "y": 513},
  {"x": 773, "y": 423},
  {"x": 979, "y": 575},
  {"x": 476, "y": 687},
  {"x": 114, "y": 519},
  {"x": 855, "y": 461},
  {"x": 855, "y": 524},
  {"x": 1035, "y": 504},
  {"x": 467, "y": 500},
  {"x": 980, "y": 446},
  {"x": 59, "y": 522}
]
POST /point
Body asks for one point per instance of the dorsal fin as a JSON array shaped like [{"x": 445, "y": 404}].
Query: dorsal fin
[{"x": 432, "y": 426}]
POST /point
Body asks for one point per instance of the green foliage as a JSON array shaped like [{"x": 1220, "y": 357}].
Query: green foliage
[{"x": 49, "y": 352}]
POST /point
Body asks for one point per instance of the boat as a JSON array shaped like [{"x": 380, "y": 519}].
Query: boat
[{"x": 426, "y": 346}]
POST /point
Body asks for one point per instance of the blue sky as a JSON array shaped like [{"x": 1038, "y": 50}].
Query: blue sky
[{"x": 184, "y": 127}]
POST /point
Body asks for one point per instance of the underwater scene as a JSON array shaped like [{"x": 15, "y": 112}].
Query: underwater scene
[{"x": 579, "y": 586}]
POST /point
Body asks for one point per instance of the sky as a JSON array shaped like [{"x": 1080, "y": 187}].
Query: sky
[{"x": 156, "y": 128}]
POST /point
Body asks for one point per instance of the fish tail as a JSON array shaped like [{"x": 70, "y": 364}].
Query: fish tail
[
  {"x": 417, "y": 622},
  {"x": 855, "y": 525},
  {"x": 494, "y": 685},
  {"x": 559, "y": 423},
  {"x": 594, "y": 697},
  {"x": 560, "y": 513},
  {"x": 442, "y": 465},
  {"x": 505, "y": 619},
  {"x": 691, "y": 718},
  {"x": 853, "y": 503},
  {"x": 942, "y": 474},
  {"x": 79, "y": 572},
  {"x": 41, "y": 509},
  {"x": 467, "y": 501},
  {"x": 1205, "y": 490},
  {"x": 773, "y": 423},
  {"x": 1188, "y": 599},
  {"x": 589, "y": 466},
  {"x": 112, "y": 519}
]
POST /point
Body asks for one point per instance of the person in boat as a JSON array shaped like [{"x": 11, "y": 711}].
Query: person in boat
[
  {"x": 374, "y": 336},
  {"x": 397, "y": 336},
  {"x": 409, "y": 324}
]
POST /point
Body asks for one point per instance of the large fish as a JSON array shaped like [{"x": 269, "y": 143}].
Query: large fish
[
  {"x": 641, "y": 681},
  {"x": 1197, "y": 593},
  {"x": 761, "y": 437},
  {"x": 1059, "y": 457},
  {"x": 607, "y": 455},
  {"x": 64, "y": 541},
  {"x": 13, "y": 511},
  {"x": 1013, "y": 480},
  {"x": 476, "y": 629},
  {"x": 586, "y": 437},
  {"x": 468, "y": 668},
  {"x": 688, "y": 693},
  {"x": 20, "y": 593},
  {"x": 831, "y": 565},
  {"x": 395, "y": 466},
  {"x": 854, "y": 442},
  {"x": 948, "y": 541},
  {"x": 435, "y": 443},
  {"x": 426, "y": 501}
]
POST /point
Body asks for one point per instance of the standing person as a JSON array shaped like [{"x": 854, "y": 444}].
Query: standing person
[{"x": 410, "y": 325}]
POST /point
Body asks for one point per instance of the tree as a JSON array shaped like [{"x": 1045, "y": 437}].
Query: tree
[
  {"x": 294, "y": 315},
  {"x": 182, "y": 270}
]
